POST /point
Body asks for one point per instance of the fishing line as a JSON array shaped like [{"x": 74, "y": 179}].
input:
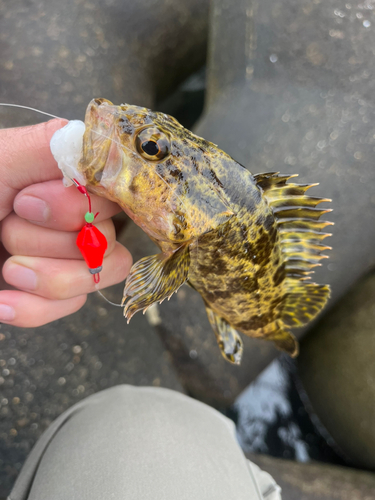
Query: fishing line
[
  {"x": 30, "y": 109},
  {"x": 107, "y": 300}
]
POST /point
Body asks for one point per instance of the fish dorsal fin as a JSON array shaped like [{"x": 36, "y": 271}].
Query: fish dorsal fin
[
  {"x": 301, "y": 240},
  {"x": 153, "y": 279}
]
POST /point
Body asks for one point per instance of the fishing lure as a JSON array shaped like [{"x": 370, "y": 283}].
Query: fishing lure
[{"x": 91, "y": 242}]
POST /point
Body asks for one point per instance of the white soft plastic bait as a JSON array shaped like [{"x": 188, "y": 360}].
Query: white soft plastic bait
[{"x": 66, "y": 147}]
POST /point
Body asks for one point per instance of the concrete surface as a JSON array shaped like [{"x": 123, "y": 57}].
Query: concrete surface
[
  {"x": 337, "y": 370},
  {"x": 314, "y": 481},
  {"x": 57, "y": 55}
]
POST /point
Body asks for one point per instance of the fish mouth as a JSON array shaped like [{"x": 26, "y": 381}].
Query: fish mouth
[
  {"x": 98, "y": 138},
  {"x": 99, "y": 115},
  {"x": 99, "y": 106}
]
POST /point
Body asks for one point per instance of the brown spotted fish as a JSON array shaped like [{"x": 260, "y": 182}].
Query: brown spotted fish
[{"x": 247, "y": 243}]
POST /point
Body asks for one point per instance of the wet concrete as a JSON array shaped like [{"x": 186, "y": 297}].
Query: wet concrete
[
  {"x": 57, "y": 55},
  {"x": 317, "y": 482},
  {"x": 337, "y": 369}
]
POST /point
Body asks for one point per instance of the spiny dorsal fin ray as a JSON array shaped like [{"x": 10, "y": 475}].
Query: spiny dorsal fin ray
[
  {"x": 302, "y": 264},
  {"x": 305, "y": 257},
  {"x": 299, "y": 212},
  {"x": 304, "y": 254},
  {"x": 303, "y": 244},
  {"x": 296, "y": 201},
  {"x": 270, "y": 179},
  {"x": 300, "y": 230},
  {"x": 296, "y": 223},
  {"x": 302, "y": 235},
  {"x": 289, "y": 190}
]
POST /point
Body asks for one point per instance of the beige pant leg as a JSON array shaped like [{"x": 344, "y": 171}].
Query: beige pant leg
[{"x": 139, "y": 443}]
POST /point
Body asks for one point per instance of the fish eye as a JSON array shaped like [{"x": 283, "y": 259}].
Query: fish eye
[
  {"x": 152, "y": 144},
  {"x": 151, "y": 148}
]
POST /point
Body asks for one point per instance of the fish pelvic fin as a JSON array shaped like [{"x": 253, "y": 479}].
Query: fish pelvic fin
[
  {"x": 155, "y": 278},
  {"x": 227, "y": 337}
]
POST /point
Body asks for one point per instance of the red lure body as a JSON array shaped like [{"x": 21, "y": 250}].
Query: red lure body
[
  {"x": 92, "y": 245},
  {"x": 90, "y": 241}
]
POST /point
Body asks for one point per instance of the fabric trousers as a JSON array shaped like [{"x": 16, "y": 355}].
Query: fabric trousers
[{"x": 141, "y": 443}]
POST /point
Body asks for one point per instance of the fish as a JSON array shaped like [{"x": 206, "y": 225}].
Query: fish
[{"x": 246, "y": 243}]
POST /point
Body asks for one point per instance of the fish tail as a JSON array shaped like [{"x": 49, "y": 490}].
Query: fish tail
[
  {"x": 277, "y": 333},
  {"x": 285, "y": 341}
]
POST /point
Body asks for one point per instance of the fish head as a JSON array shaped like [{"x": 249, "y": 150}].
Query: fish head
[{"x": 152, "y": 167}]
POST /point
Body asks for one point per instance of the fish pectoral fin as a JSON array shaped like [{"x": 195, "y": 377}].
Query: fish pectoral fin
[
  {"x": 285, "y": 341},
  {"x": 229, "y": 341},
  {"x": 153, "y": 279}
]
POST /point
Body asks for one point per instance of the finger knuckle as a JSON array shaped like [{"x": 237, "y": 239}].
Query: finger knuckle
[
  {"x": 59, "y": 287},
  {"x": 10, "y": 236}
]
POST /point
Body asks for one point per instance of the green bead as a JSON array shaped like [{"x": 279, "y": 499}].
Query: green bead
[{"x": 89, "y": 217}]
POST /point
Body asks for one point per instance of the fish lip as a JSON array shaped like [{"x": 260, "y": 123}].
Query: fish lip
[
  {"x": 100, "y": 122},
  {"x": 98, "y": 102},
  {"x": 93, "y": 113},
  {"x": 102, "y": 114}
]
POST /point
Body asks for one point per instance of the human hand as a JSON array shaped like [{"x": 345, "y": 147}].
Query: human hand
[{"x": 40, "y": 220}]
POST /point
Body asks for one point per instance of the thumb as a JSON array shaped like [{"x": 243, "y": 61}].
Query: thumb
[{"x": 26, "y": 159}]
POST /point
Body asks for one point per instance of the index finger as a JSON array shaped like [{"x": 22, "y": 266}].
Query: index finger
[
  {"x": 26, "y": 159},
  {"x": 52, "y": 205}
]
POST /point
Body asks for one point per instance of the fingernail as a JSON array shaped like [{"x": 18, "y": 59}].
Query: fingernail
[
  {"x": 7, "y": 313},
  {"x": 32, "y": 208},
  {"x": 20, "y": 276}
]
